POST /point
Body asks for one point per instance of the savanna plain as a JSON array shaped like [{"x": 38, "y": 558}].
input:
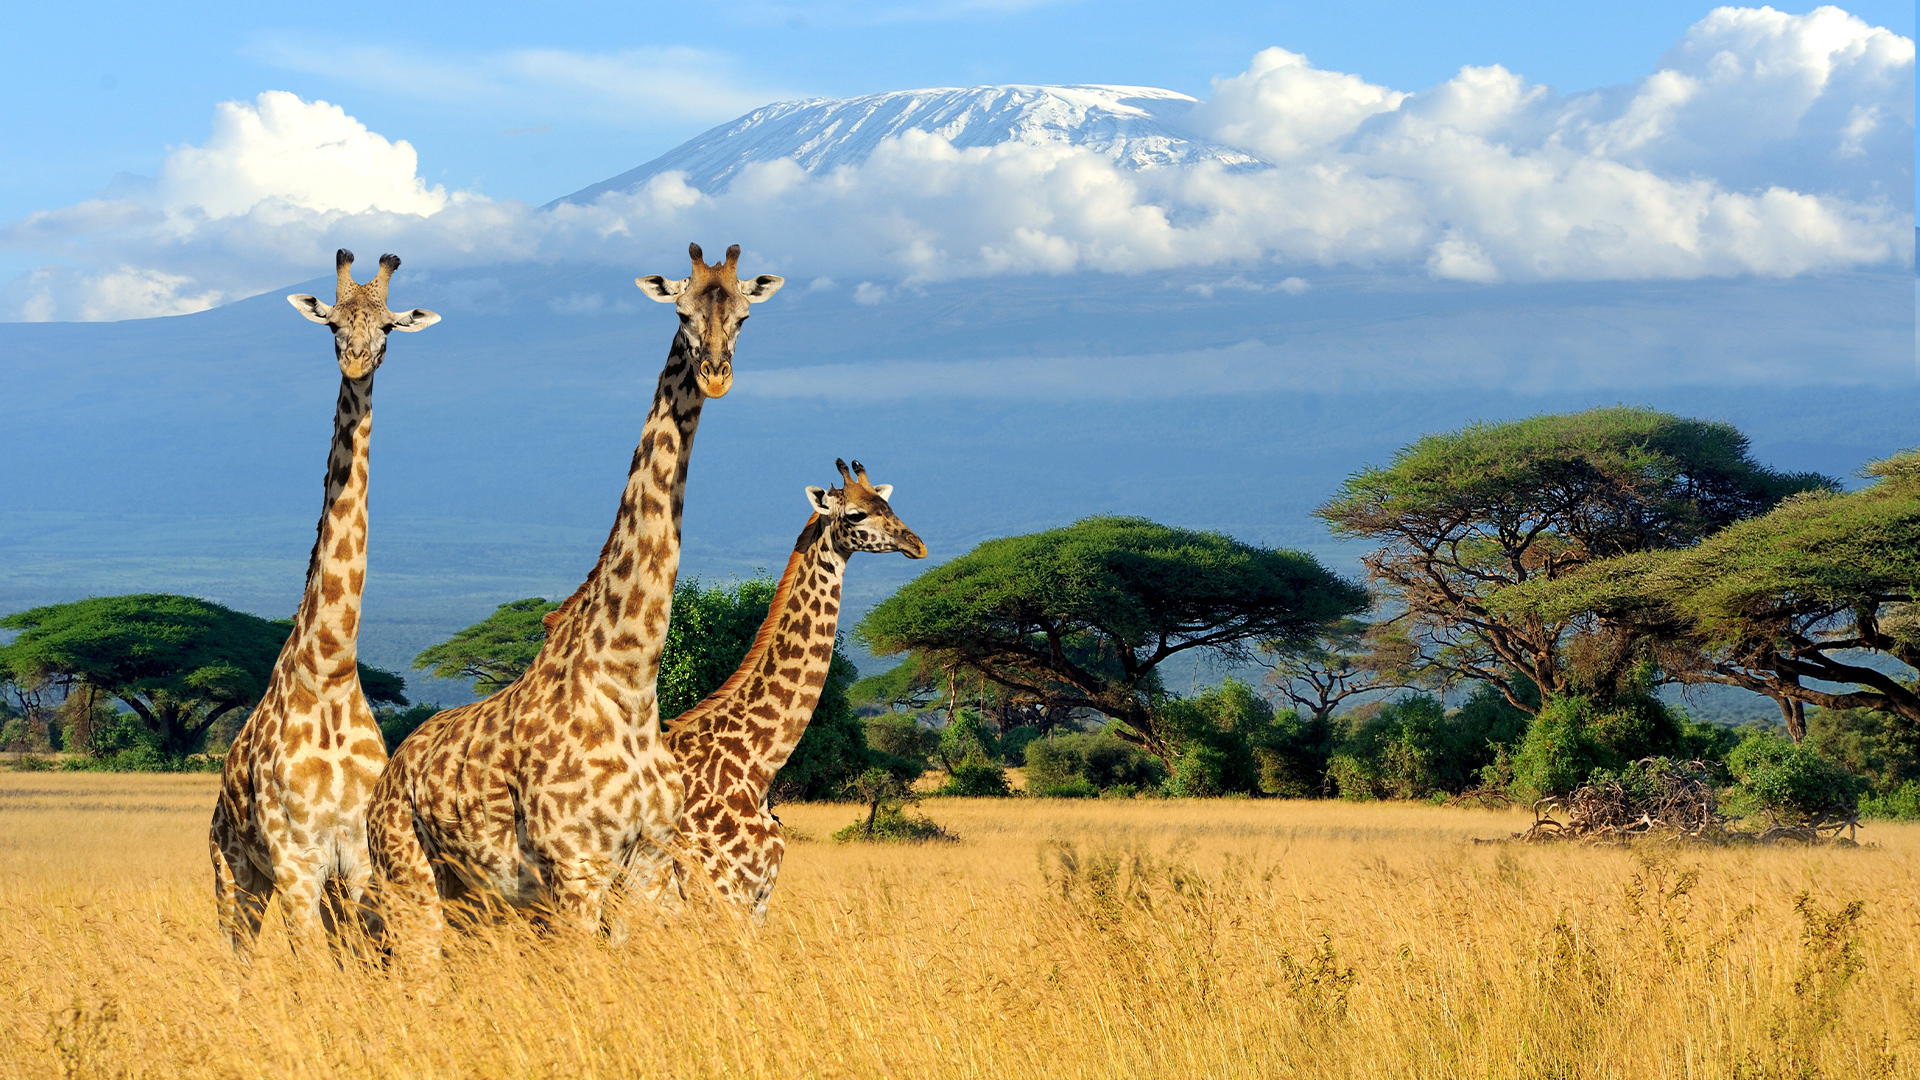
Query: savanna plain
[{"x": 1054, "y": 938}]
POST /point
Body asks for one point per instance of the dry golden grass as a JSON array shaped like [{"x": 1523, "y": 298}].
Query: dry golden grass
[{"x": 1138, "y": 939}]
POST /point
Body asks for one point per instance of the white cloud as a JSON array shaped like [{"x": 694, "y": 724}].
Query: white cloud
[
  {"x": 1765, "y": 144},
  {"x": 304, "y": 155}
]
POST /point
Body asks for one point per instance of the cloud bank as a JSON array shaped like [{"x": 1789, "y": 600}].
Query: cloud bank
[{"x": 1763, "y": 144}]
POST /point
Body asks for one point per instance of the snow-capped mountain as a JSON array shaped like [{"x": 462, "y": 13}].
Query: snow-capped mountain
[{"x": 1137, "y": 127}]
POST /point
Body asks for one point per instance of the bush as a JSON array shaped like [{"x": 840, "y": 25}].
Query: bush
[
  {"x": 893, "y": 825},
  {"x": 396, "y": 723},
  {"x": 1900, "y": 804},
  {"x": 1793, "y": 783},
  {"x": 1575, "y": 734},
  {"x": 1413, "y": 749},
  {"x": 1212, "y": 735},
  {"x": 965, "y": 738},
  {"x": 901, "y": 736},
  {"x": 977, "y": 779},
  {"x": 1083, "y": 764},
  {"x": 1013, "y": 745}
]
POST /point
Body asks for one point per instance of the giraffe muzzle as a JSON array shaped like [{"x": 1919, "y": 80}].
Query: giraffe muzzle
[{"x": 716, "y": 379}]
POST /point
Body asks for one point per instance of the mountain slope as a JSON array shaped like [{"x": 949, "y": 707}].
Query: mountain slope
[{"x": 1137, "y": 127}]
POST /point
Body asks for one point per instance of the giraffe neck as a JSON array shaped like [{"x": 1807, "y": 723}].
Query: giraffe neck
[
  {"x": 327, "y": 626},
  {"x": 619, "y": 614},
  {"x": 777, "y": 686}
]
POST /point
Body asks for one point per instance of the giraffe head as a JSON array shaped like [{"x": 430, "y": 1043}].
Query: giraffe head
[
  {"x": 712, "y": 303},
  {"x": 857, "y": 517},
  {"x": 359, "y": 317}
]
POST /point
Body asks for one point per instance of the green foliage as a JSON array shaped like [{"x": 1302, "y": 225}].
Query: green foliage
[
  {"x": 1212, "y": 735},
  {"x": 397, "y": 723},
  {"x": 1899, "y": 804},
  {"x": 966, "y": 739},
  {"x": 1013, "y": 745},
  {"x": 901, "y": 737},
  {"x": 494, "y": 651},
  {"x": 885, "y": 794},
  {"x": 1780, "y": 601},
  {"x": 1575, "y": 734},
  {"x": 1082, "y": 617},
  {"x": 977, "y": 779},
  {"x": 1793, "y": 783},
  {"x": 1462, "y": 516},
  {"x": 712, "y": 628},
  {"x": 1083, "y": 764},
  {"x": 1414, "y": 749},
  {"x": 179, "y": 663}
]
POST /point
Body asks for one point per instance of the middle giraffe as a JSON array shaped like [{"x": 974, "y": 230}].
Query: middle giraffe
[
  {"x": 731, "y": 745},
  {"x": 555, "y": 787}
]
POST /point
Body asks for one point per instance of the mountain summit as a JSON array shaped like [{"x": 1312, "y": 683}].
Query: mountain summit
[{"x": 1137, "y": 127}]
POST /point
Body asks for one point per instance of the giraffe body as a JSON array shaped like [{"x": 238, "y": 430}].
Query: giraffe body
[
  {"x": 291, "y": 816},
  {"x": 731, "y": 744},
  {"x": 560, "y": 786}
]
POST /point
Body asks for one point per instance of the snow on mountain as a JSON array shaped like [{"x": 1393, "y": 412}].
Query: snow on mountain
[{"x": 1136, "y": 127}]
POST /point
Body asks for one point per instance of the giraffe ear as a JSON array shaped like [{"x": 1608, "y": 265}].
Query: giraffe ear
[
  {"x": 660, "y": 288},
  {"x": 822, "y": 501},
  {"x": 311, "y": 306},
  {"x": 762, "y": 287},
  {"x": 416, "y": 320},
  {"x": 885, "y": 491}
]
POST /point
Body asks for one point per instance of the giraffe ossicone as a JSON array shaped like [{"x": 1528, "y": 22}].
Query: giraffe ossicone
[
  {"x": 560, "y": 786},
  {"x": 732, "y": 744},
  {"x": 291, "y": 816}
]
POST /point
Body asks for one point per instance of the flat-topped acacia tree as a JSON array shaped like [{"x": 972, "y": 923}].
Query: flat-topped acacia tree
[
  {"x": 1084, "y": 616},
  {"x": 1461, "y": 516},
  {"x": 177, "y": 662}
]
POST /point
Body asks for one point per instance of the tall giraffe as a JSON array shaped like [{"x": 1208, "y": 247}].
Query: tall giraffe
[
  {"x": 731, "y": 744},
  {"x": 293, "y": 795},
  {"x": 556, "y": 786}
]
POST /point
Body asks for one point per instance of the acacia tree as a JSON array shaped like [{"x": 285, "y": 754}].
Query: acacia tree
[
  {"x": 494, "y": 651},
  {"x": 179, "y": 663},
  {"x": 1082, "y": 617},
  {"x": 1459, "y": 517},
  {"x": 1807, "y": 594}
]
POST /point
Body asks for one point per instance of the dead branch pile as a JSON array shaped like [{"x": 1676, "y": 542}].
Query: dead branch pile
[{"x": 1675, "y": 799}]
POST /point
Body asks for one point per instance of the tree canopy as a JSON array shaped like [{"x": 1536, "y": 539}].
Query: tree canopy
[
  {"x": 1463, "y": 515},
  {"x": 1084, "y": 616},
  {"x": 1805, "y": 593},
  {"x": 178, "y": 662},
  {"x": 494, "y": 651}
]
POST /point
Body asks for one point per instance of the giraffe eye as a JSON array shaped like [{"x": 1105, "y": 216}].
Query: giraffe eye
[{"x": 856, "y": 515}]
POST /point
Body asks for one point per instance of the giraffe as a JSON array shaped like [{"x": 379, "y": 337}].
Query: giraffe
[
  {"x": 291, "y": 817},
  {"x": 731, "y": 744},
  {"x": 556, "y": 787}
]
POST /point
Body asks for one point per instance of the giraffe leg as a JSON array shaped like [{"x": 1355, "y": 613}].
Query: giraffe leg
[
  {"x": 240, "y": 891},
  {"x": 405, "y": 893},
  {"x": 302, "y": 888}
]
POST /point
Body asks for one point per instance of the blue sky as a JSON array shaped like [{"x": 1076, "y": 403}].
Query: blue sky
[{"x": 94, "y": 90}]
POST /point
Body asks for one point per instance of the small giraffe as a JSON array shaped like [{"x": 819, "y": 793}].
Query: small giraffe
[
  {"x": 292, "y": 811},
  {"x": 557, "y": 786},
  {"x": 731, "y": 745}
]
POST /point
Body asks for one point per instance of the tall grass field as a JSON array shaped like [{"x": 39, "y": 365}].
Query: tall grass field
[{"x": 1053, "y": 939}]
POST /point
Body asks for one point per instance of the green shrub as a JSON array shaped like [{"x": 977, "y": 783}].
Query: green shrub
[
  {"x": 893, "y": 825},
  {"x": 1411, "y": 748},
  {"x": 1013, "y": 745},
  {"x": 397, "y": 723},
  {"x": 1212, "y": 735},
  {"x": 1575, "y": 734},
  {"x": 965, "y": 738},
  {"x": 977, "y": 779},
  {"x": 1793, "y": 783},
  {"x": 1900, "y": 804},
  {"x": 1083, "y": 764},
  {"x": 901, "y": 737}
]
